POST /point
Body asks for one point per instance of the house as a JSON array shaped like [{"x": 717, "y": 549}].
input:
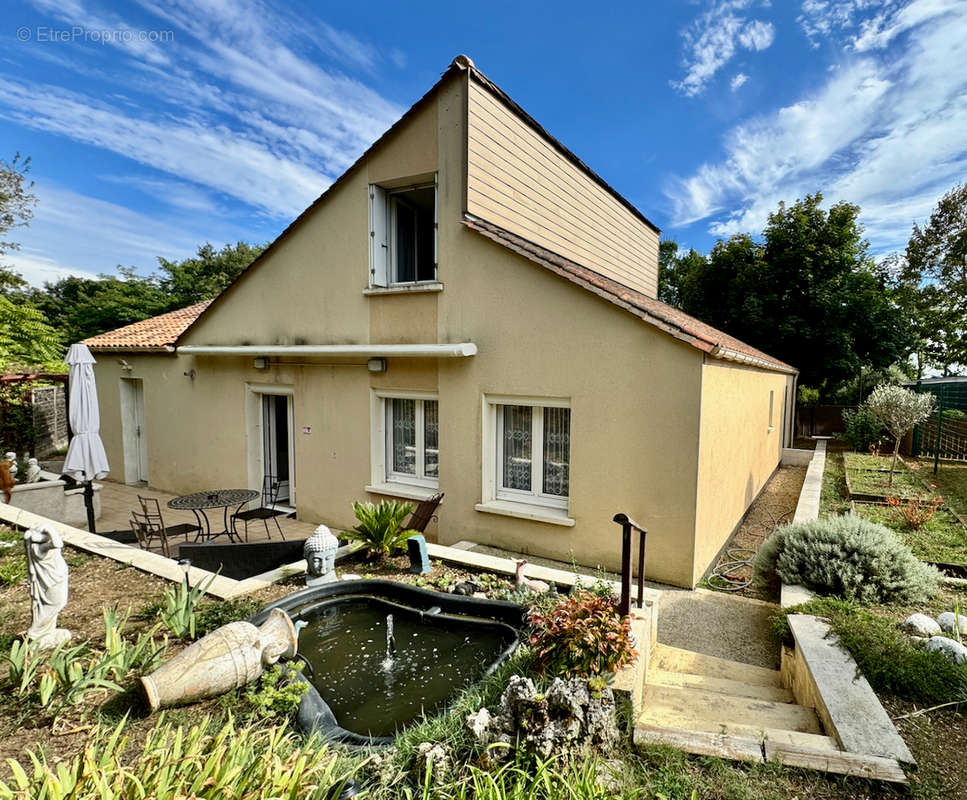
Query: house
[{"x": 470, "y": 309}]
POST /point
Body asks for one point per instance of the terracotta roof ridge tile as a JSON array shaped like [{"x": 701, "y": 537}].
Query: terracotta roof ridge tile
[{"x": 672, "y": 320}]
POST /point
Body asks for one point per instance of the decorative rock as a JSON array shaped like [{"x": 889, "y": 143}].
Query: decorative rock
[
  {"x": 320, "y": 553},
  {"x": 48, "y": 575},
  {"x": 955, "y": 651},
  {"x": 479, "y": 725},
  {"x": 227, "y": 658},
  {"x": 33, "y": 471},
  {"x": 920, "y": 625},
  {"x": 561, "y": 722},
  {"x": 465, "y": 588},
  {"x": 950, "y": 622},
  {"x": 416, "y": 550},
  {"x": 433, "y": 759}
]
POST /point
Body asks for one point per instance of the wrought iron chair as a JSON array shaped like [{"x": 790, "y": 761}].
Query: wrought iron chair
[
  {"x": 146, "y": 531},
  {"x": 265, "y": 512},
  {"x": 151, "y": 508},
  {"x": 423, "y": 513}
]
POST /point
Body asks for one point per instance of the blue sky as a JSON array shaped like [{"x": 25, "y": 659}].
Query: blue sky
[{"x": 156, "y": 125}]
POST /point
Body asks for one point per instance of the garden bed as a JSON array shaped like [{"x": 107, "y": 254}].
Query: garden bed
[
  {"x": 868, "y": 478},
  {"x": 940, "y": 540}
]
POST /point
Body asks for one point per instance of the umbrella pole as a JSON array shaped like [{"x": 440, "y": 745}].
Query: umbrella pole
[{"x": 89, "y": 503}]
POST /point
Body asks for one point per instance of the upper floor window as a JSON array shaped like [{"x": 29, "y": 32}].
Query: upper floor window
[{"x": 402, "y": 231}]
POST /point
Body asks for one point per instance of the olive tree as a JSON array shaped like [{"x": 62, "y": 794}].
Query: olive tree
[{"x": 899, "y": 410}]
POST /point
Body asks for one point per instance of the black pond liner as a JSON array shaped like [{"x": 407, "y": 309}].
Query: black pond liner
[
  {"x": 241, "y": 560},
  {"x": 437, "y": 609},
  {"x": 950, "y": 570}
]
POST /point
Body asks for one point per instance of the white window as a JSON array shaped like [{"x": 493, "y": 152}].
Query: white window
[
  {"x": 403, "y": 234},
  {"x": 528, "y": 456},
  {"x": 772, "y": 410},
  {"x": 406, "y": 440}
]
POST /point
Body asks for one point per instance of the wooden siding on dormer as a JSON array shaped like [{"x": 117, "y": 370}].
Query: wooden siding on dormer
[{"x": 518, "y": 180}]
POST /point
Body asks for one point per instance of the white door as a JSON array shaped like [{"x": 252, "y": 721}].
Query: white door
[
  {"x": 133, "y": 431},
  {"x": 277, "y": 436}
]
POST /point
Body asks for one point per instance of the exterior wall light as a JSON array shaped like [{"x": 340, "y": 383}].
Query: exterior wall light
[
  {"x": 376, "y": 365},
  {"x": 261, "y": 363}
]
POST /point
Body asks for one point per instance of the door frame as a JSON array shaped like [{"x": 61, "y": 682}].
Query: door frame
[
  {"x": 254, "y": 433},
  {"x": 134, "y": 447}
]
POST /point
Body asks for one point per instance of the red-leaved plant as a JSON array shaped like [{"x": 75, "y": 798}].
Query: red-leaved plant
[
  {"x": 917, "y": 511},
  {"x": 581, "y": 635}
]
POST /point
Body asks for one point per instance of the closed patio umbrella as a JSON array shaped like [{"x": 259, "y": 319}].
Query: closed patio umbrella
[{"x": 86, "y": 459}]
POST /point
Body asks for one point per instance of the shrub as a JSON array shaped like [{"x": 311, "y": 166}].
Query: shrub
[
  {"x": 277, "y": 693},
  {"x": 380, "y": 527},
  {"x": 915, "y": 512},
  {"x": 210, "y": 616},
  {"x": 862, "y": 428},
  {"x": 885, "y": 655},
  {"x": 581, "y": 635},
  {"x": 848, "y": 557}
]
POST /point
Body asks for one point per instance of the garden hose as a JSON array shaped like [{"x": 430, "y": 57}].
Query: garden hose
[{"x": 734, "y": 571}]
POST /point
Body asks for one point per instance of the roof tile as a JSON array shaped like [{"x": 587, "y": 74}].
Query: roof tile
[
  {"x": 154, "y": 333},
  {"x": 663, "y": 316}
]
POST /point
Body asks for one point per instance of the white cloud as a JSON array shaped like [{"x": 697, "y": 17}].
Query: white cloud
[
  {"x": 75, "y": 234},
  {"x": 821, "y": 18},
  {"x": 231, "y": 162},
  {"x": 885, "y": 131},
  {"x": 714, "y": 38},
  {"x": 237, "y": 104},
  {"x": 738, "y": 81}
]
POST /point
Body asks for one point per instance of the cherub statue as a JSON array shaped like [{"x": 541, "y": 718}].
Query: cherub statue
[
  {"x": 47, "y": 573},
  {"x": 33, "y": 471}
]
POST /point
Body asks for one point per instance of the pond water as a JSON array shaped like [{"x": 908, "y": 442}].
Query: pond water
[{"x": 376, "y": 684}]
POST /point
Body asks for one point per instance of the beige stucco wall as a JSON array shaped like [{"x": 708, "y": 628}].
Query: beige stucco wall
[
  {"x": 635, "y": 393},
  {"x": 737, "y": 450}
]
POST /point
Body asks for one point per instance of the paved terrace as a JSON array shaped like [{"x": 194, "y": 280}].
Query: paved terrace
[{"x": 119, "y": 500}]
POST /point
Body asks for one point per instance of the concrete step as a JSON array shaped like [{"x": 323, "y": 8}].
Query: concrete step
[
  {"x": 673, "y": 659},
  {"x": 699, "y": 706},
  {"x": 678, "y": 727},
  {"x": 684, "y": 680}
]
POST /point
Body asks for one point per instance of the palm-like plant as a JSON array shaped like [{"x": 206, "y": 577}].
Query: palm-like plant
[{"x": 380, "y": 527}]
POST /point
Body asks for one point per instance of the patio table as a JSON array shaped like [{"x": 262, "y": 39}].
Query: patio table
[{"x": 200, "y": 502}]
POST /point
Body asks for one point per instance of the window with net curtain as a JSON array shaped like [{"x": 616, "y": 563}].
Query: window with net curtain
[
  {"x": 533, "y": 454},
  {"x": 412, "y": 441}
]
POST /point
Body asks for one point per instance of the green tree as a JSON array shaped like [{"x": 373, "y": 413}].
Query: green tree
[
  {"x": 673, "y": 271},
  {"x": 898, "y": 410},
  {"x": 204, "y": 276},
  {"x": 83, "y": 307},
  {"x": 809, "y": 293},
  {"x": 26, "y": 340},
  {"x": 935, "y": 278},
  {"x": 16, "y": 201}
]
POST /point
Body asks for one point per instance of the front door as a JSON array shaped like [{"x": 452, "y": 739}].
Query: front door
[
  {"x": 277, "y": 444},
  {"x": 133, "y": 431}
]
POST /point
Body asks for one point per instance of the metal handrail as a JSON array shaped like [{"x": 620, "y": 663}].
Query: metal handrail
[{"x": 628, "y": 525}]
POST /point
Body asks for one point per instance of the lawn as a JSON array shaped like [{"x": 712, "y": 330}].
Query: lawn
[
  {"x": 870, "y": 476},
  {"x": 950, "y": 480},
  {"x": 941, "y": 539}
]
